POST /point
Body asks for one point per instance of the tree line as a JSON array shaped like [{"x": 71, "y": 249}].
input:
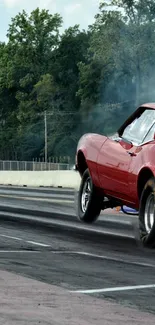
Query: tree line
[{"x": 86, "y": 80}]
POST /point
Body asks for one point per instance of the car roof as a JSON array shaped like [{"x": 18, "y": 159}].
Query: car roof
[{"x": 149, "y": 105}]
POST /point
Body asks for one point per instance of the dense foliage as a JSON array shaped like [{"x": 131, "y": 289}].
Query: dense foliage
[{"x": 86, "y": 81}]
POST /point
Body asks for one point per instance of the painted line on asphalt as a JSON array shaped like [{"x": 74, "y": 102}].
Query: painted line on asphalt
[
  {"x": 18, "y": 251},
  {"x": 125, "y": 288},
  {"x": 115, "y": 259},
  {"x": 107, "y": 258},
  {"x": 11, "y": 237},
  {"x": 26, "y": 241},
  {"x": 38, "y": 244},
  {"x": 35, "y": 199}
]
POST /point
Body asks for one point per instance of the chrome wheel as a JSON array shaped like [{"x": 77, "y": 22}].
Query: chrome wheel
[
  {"x": 85, "y": 197},
  {"x": 149, "y": 213}
]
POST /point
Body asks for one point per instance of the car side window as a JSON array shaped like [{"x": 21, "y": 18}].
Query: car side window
[
  {"x": 150, "y": 134},
  {"x": 138, "y": 129}
]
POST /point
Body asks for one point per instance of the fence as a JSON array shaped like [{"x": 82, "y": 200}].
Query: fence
[{"x": 33, "y": 165}]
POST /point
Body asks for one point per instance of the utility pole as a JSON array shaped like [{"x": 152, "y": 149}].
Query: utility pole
[{"x": 45, "y": 121}]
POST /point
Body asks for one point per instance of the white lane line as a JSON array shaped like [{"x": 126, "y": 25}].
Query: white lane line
[
  {"x": 125, "y": 288},
  {"x": 18, "y": 251},
  {"x": 108, "y": 258},
  {"x": 11, "y": 237},
  {"x": 38, "y": 244},
  {"x": 27, "y": 241},
  {"x": 115, "y": 259}
]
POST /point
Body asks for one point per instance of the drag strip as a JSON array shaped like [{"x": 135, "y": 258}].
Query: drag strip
[
  {"x": 80, "y": 265},
  {"x": 56, "y": 207},
  {"x": 44, "y": 241}
]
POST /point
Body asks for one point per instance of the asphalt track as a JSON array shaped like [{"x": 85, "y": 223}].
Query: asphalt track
[{"x": 41, "y": 239}]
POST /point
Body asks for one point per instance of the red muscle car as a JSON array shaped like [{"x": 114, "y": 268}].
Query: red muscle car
[{"x": 120, "y": 170}]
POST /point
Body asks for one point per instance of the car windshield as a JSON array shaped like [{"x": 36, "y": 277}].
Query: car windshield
[{"x": 137, "y": 130}]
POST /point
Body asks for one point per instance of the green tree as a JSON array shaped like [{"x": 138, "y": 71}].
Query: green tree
[
  {"x": 72, "y": 49},
  {"x": 140, "y": 20},
  {"x": 31, "y": 41},
  {"x": 121, "y": 53}
]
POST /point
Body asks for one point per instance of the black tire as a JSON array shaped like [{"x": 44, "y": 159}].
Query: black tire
[
  {"x": 93, "y": 208},
  {"x": 147, "y": 234}
]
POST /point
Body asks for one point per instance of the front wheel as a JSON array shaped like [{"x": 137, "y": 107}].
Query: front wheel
[
  {"x": 147, "y": 214},
  {"x": 89, "y": 201}
]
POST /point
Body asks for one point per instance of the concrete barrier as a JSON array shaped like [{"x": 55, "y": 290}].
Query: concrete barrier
[{"x": 66, "y": 179}]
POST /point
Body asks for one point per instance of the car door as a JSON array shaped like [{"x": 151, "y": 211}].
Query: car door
[
  {"x": 113, "y": 165},
  {"x": 117, "y": 154}
]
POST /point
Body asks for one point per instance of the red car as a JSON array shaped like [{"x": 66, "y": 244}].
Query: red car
[{"x": 120, "y": 170}]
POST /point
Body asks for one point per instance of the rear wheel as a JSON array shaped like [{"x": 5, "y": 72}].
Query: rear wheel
[
  {"x": 89, "y": 201},
  {"x": 147, "y": 214}
]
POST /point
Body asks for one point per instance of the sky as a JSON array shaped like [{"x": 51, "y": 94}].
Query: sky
[{"x": 73, "y": 12}]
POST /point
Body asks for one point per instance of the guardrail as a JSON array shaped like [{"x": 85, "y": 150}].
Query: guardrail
[{"x": 33, "y": 166}]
